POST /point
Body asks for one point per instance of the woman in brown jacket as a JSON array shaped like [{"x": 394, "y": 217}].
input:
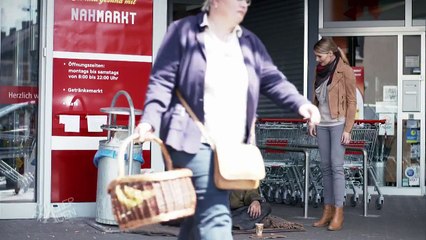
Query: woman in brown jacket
[{"x": 335, "y": 96}]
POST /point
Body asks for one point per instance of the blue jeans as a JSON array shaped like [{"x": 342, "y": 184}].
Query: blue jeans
[{"x": 212, "y": 218}]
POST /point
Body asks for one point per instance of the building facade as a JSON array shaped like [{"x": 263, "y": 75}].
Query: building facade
[{"x": 63, "y": 61}]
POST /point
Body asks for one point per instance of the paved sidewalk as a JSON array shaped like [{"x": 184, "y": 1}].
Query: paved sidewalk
[{"x": 400, "y": 218}]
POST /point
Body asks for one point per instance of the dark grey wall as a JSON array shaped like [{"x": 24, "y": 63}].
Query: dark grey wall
[
  {"x": 312, "y": 39},
  {"x": 280, "y": 25}
]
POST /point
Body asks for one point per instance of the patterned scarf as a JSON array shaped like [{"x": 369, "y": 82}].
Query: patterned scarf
[{"x": 326, "y": 72}]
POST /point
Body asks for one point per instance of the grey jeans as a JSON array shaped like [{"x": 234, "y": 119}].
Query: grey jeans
[{"x": 332, "y": 154}]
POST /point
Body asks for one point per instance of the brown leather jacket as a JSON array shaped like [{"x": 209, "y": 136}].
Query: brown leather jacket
[{"x": 342, "y": 95}]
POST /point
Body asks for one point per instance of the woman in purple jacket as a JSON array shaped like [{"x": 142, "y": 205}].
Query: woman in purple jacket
[{"x": 220, "y": 68}]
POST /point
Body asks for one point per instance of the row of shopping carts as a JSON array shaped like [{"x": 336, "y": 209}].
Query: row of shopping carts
[
  {"x": 17, "y": 146},
  {"x": 286, "y": 169},
  {"x": 17, "y": 150}
]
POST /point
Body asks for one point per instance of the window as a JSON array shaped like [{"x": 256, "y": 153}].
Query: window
[
  {"x": 363, "y": 10},
  {"x": 18, "y": 99},
  {"x": 419, "y": 12}
]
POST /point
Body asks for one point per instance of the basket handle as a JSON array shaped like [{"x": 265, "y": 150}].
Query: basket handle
[{"x": 134, "y": 138}]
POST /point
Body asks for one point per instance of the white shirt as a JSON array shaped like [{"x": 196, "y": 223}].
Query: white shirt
[{"x": 225, "y": 88}]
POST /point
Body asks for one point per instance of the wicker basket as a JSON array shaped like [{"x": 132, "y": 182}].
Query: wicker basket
[{"x": 151, "y": 198}]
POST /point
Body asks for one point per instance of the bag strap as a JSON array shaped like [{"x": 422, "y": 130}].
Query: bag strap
[{"x": 194, "y": 117}]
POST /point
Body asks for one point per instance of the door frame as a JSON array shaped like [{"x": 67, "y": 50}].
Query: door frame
[
  {"x": 17, "y": 209},
  {"x": 399, "y": 32}
]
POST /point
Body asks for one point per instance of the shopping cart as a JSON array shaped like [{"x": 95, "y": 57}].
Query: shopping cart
[
  {"x": 17, "y": 146},
  {"x": 20, "y": 149},
  {"x": 293, "y": 133},
  {"x": 364, "y": 135},
  {"x": 285, "y": 170}
]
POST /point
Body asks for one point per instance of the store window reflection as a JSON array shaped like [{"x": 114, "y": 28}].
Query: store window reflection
[
  {"x": 18, "y": 99},
  {"x": 374, "y": 60},
  {"x": 364, "y": 10},
  {"x": 419, "y": 12},
  {"x": 412, "y": 59},
  {"x": 377, "y": 56}
]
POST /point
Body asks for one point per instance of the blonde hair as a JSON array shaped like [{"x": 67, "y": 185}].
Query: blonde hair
[
  {"x": 206, "y": 6},
  {"x": 324, "y": 45}
]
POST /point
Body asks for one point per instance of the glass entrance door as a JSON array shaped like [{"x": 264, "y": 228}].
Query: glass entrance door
[
  {"x": 19, "y": 23},
  {"x": 390, "y": 81},
  {"x": 412, "y": 91}
]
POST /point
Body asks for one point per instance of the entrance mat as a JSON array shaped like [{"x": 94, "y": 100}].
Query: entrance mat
[
  {"x": 265, "y": 230},
  {"x": 268, "y": 236},
  {"x": 103, "y": 227},
  {"x": 164, "y": 230},
  {"x": 150, "y": 230},
  {"x": 157, "y": 230},
  {"x": 273, "y": 227},
  {"x": 275, "y": 222}
]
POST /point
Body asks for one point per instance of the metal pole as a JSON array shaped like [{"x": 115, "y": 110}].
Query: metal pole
[
  {"x": 365, "y": 185},
  {"x": 306, "y": 182},
  {"x": 306, "y": 155},
  {"x": 303, "y": 147},
  {"x": 131, "y": 123}
]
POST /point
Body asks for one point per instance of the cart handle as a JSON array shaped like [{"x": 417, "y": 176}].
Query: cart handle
[
  {"x": 370, "y": 121},
  {"x": 299, "y": 120},
  {"x": 287, "y": 120},
  {"x": 134, "y": 139}
]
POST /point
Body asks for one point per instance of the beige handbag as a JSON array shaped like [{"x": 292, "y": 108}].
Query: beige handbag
[{"x": 237, "y": 166}]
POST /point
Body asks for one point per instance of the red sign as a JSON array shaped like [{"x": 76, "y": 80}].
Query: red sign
[
  {"x": 100, "y": 47},
  {"x": 82, "y": 87},
  {"x": 359, "y": 77},
  {"x": 103, "y": 26},
  {"x": 18, "y": 94}
]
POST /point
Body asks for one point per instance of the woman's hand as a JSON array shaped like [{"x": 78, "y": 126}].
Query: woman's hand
[
  {"x": 346, "y": 138},
  {"x": 254, "y": 210},
  {"x": 310, "y": 112},
  {"x": 312, "y": 129},
  {"x": 144, "y": 130}
]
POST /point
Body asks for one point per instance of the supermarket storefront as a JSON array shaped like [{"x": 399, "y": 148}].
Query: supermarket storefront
[{"x": 63, "y": 60}]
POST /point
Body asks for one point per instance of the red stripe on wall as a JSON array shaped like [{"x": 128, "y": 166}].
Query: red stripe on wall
[
  {"x": 146, "y": 154},
  {"x": 73, "y": 176}
]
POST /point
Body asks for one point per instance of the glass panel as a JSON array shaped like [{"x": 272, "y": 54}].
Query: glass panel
[
  {"x": 18, "y": 99},
  {"x": 375, "y": 60},
  {"x": 411, "y": 153},
  {"x": 350, "y": 10},
  {"x": 412, "y": 59},
  {"x": 378, "y": 57},
  {"x": 419, "y": 10},
  {"x": 375, "y": 63}
]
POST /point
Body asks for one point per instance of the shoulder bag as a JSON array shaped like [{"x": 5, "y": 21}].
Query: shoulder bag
[{"x": 236, "y": 166}]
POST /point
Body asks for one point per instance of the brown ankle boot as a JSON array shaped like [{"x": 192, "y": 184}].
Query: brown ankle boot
[
  {"x": 337, "y": 222},
  {"x": 327, "y": 215}
]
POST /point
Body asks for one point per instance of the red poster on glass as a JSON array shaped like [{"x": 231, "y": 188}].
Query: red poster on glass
[
  {"x": 103, "y": 26},
  {"x": 359, "y": 76},
  {"x": 82, "y": 87},
  {"x": 100, "y": 48}
]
